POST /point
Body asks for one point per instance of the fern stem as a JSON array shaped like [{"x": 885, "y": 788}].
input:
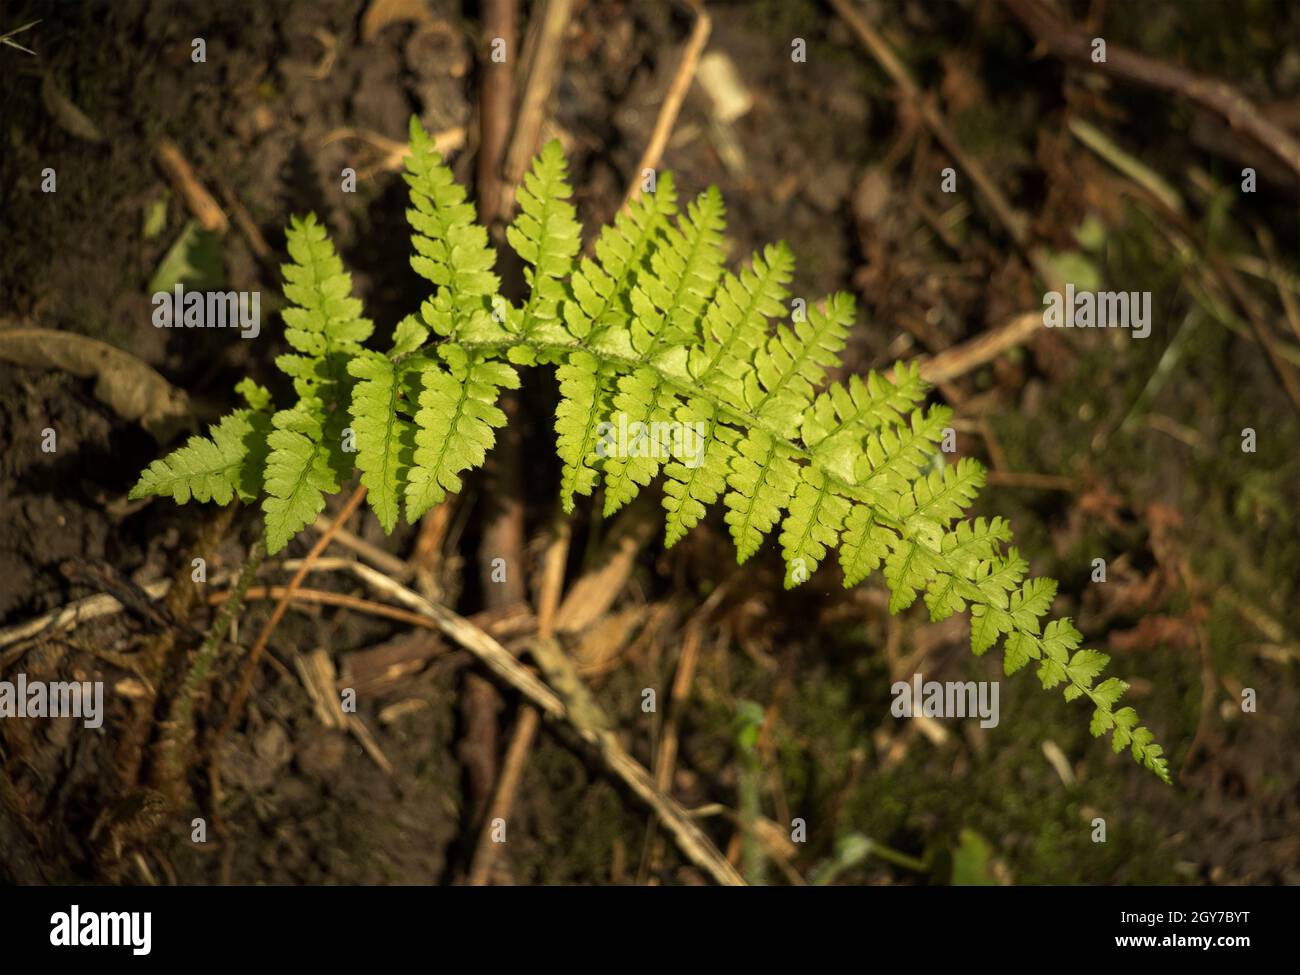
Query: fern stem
[
  {"x": 180, "y": 725},
  {"x": 255, "y": 653}
]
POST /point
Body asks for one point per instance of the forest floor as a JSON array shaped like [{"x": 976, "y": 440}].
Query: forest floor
[{"x": 1100, "y": 446}]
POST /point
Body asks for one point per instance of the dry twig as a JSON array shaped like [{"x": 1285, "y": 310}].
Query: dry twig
[
  {"x": 255, "y": 652},
  {"x": 672, "y": 103},
  {"x": 1211, "y": 94},
  {"x": 521, "y": 740}
]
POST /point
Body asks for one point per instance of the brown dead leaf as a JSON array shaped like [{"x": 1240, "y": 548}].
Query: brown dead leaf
[
  {"x": 961, "y": 86},
  {"x": 132, "y": 389},
  {"x": 381, "y": 13},
  {"x": 606, "y": 640},
  {"x": 68, "y": 116},
  {"x": 1099, "y": 502},
  {"x": 1157, "y": 631},
  {"x": 595, "y": 591}
]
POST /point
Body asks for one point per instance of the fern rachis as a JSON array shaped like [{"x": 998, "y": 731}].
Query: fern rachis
[{"x": 655, "y": 328}]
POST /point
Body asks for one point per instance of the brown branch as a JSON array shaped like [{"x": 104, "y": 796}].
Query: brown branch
[
  {"x": 1210, "y": 94},
  {"x": 205, "y": 209},
  {"x": 503, "y": 529},
  {"x": 545, "y": 68},
  {"x": 696, "y": 846},
  {"x": 693, "y": 843},
  {"x": 327, "y": 598},
  {"x": 521, "y": 742},
  {"x": 672, "y": 104},
  {"x": 255, "y": 652},
  {"x": 500, "y": 21},
  {"x": 1011, "y": 220},
  {"x": 961, "y": 359}
]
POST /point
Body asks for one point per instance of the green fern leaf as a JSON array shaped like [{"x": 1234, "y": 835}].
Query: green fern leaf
[
  {"x": 864, "y": 405},
  {"x": 324, "y": 322},
  {"x": 1032, "y": 601},
  {"x": 225, "y": 463},
  {"x": 546, "y": 235},
  {"x": 385, "y": 441},
  {"x": 451, "y": 249},
  {"x": 909, "y": 568},
  {"x": 667, "y": 304},
  {"x": 599, "y": 314},
  {"x": 455, "y": 424},
  {"x": 735, "y": 325},
  {"x": 938, "y": 499},
  {"x": 794, "y": 362},
  {"x": 584, "y": 402},
  {"x": 650, "y": 336},
  {"x": 763, "y": 476},
  {"x": 864, "y": 544},
  {"x": 894, "y": 456},
  {"x": 641, "y": 395},
  {"x": 812, "y": 526},
  {"x": 383, "y": 438},
  {"x": 602, "y": 288},
  {"x": 697, "y": 481},
  {"x": 306, "y": 458},
  {"x": 299, "y": 474}
]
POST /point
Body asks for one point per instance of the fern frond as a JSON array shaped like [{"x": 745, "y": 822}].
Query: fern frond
[
  {"x": 685, "y": 267},
  {"x": 324, "y": 321},
  {"x": 893, "y": 457},
  {"x": 299, "y": 473},
  {"x": 667, "y": 304},
  {"x": 385, "y": 440},
  {"x": 585, "y": 401},
  {"x": 602, "y": 288},
  {"x": 939, "y": 498},
  {"x": 599, "y": 313},
  {"x": 834, "y": 425},
  {"x": 546, "y": 235},
  {"x": 224, "y": 464},
  {"x": 642, "y": 418},
  {"x": 735, "y": 325},
  {"x": 307, "y": 459},
  {"x": 786, "y": 373},
  {"x": 813, "y": 525},
  {"x": 451, "y": 248},
  {"x": 455, "y": 424},
  {"x": 651, "y": 337},
  {"x": 761, "y": 481},
  {"x": 865, "y": 543},
  {"x": 693, "y": 483}
]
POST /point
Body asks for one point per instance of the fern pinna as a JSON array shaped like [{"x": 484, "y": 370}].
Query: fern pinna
[{"x": 652, "y": 331}]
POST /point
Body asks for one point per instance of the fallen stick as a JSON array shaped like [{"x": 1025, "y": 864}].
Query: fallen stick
[
  {"x": 537, "y": 91},
  {"x": 1213, "y": 95},
  {"x": 961, "y": 359},
  {"x": 209, "y": 214},
  {"x": 672, "y": 103},
  {"x": 264, "y": 637},
  {"x": 1011, "y": 220},
  {"x": 696, "y": 846},
  {"x": 92, "y": 607},
  {"x": 693, "y": 843},
  {"x": 521, "y": 740},
  {"x": 373, "y": 554}
]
